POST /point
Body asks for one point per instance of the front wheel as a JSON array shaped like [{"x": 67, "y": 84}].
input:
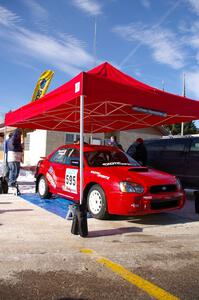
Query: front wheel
[
  {"x": 43, "y": 188},
  {"x": 96, "y": 201}
]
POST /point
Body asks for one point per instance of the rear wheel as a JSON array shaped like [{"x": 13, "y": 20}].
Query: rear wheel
[
  {"x": 96, "y": 201},
  {"x": 43, "y": 188}
]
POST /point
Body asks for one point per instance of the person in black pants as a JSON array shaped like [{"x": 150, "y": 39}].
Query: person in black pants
[{"x": 14, "y": 156}]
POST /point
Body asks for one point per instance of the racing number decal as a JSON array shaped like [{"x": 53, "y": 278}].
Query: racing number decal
[{"x": 71, "y": 180}]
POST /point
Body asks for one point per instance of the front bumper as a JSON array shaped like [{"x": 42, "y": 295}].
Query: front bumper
[{"x": 134, "y": 204}]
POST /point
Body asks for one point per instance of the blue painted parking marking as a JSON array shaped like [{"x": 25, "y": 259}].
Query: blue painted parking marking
[{"x": 57, "y": 205}]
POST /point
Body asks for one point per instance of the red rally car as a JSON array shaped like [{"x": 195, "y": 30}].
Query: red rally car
[{"x": 114, "y": 183}]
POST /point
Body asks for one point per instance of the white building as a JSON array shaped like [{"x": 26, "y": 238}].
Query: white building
[{"x": 40, "y": 143}]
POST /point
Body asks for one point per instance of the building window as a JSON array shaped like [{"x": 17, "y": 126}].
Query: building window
[
  {"x": 96, "y": 141},
  {"x": 77, "y": 137},
  {"x": 1, "y": 142},
  {"x": 71, "y": 137},
  {"x": 27, "y": 142}
]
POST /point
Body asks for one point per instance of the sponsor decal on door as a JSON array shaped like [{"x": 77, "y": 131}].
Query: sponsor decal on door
[
  {"x": 51, "y": 180},
  {"x": 71, "y": 180}
]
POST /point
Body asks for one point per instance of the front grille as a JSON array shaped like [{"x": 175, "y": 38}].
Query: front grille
[
  {"x": 164, "y": 204},
  {"x": 155, "y": 189}
]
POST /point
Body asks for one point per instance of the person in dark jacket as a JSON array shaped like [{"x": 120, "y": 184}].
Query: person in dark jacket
[
  {"x": 138, "y": 151},
  {"x": 14, "y": 156}
]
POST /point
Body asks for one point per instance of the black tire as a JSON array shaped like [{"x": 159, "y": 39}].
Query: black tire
[
  {"x": 43, "y": 188},
  {"x": 96, "y": 201},
  {"x": 3, "y": 185},
  {"x": 1, "y": 189}
]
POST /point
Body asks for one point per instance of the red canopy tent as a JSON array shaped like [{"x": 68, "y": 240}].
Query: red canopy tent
[
  {"x": 113, "y": 101},
  {"x": 101, "y": 100}
]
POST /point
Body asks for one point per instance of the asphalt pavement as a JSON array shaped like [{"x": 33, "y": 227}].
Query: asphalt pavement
[{"x": 149, "y": 257}]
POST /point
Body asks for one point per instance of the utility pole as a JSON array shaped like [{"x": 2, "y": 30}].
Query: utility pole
[
  {"x": 163, "y": 85},
  {"x": 94, "y": 42},
  {"x": 184, "y": 95}
]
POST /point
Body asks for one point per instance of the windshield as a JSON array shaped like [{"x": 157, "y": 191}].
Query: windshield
[{"x": 108, "y": 158}]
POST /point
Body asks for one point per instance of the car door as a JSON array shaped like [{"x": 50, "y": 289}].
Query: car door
[
  {"x": 174, "y": 157},
  {"x": 191, "y": 171},
  {"x": 70, "y": 179},
  {"x": 55, "y": 171},
  {"x": 155, "y": 153}
]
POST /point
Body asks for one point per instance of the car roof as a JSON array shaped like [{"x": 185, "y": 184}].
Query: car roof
[
  {"x": 171, "y": 138},
  {"x": 88, "y": 147}
]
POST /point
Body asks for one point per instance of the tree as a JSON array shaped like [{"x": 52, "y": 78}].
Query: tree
[{"x": 175, "y": 129}]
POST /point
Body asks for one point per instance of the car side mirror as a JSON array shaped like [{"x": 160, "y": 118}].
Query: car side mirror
[{"x": 74, "y": 162}]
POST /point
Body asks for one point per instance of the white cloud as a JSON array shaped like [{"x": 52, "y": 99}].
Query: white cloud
[
  {"x": 146, "y": 3},
  {"x": 192, "y": 37},
  {"x": 192, "y": 40},
  {"x": 1, "y": 115},
  {"x": 92, "y": 7},
  {"x": 7, "y": 18},
  {"x": 64, "y": 52},
  {"x": 192, "y": 82},
  {"x": 67, "y": 54},
  {"x": 162, "y": 42},
  {"x": 194, "y": 5},
  {"x": 36, "y": 9}
]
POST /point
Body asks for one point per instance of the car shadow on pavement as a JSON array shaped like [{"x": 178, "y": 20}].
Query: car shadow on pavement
[
  {"x": 161, "y": 219},
  {"x": 115, "y": 231},
  {"x": 14, "y": 210}
]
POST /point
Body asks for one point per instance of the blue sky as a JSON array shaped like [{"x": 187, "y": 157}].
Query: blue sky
[{"x": 151, "y": 40}]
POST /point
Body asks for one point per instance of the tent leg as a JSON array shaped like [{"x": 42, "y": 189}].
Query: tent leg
[
  {"x": 80, "y": 216},
  {"x": 81, "y": 147},
  {"x": 4, "y": 141},
  {"x": 5, "y": 164}
]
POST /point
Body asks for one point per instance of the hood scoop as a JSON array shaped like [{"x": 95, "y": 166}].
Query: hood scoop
[{"x": 139, "y": 169}]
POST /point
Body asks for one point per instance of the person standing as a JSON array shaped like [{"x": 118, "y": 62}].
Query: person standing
[
  {"x": 113, "y": 142},
  {"x": 5, "y": 164},
  {"x": 138, "y": 151},
  {"x": 14, "y": 157}
]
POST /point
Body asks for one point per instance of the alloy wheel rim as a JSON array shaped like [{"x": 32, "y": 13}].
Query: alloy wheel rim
[
  {"x": 42, "y": 187},
  {"x": 95, "y": 202}
]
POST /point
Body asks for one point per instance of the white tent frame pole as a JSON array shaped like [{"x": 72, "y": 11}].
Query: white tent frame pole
[
  {"x": 81, "y": 147},
  {"x": 182, "y": 129},
  {"x": 4, "y": 143}
]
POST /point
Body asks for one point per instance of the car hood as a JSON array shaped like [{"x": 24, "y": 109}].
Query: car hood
[{"x": 142, "y": 175}]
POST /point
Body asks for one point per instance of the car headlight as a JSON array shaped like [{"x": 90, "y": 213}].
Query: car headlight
[
  {"x": 131, "y": 187},
  {"x": 178, "y": 183}
]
